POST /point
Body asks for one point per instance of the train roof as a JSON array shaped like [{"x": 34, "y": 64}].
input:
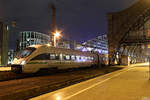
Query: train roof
[
  {"x": 36, "y": 46},
  {"x": 63, "y": 49},
  {"x": 47, "y": 45}
]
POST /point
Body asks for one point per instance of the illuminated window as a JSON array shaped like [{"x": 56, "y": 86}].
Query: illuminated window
[
  {"x": 57, "y": 56},
  {"x": 82, "y": 57},
  {"x": 67, "y": 57},
  {"x": 92, "y": 58},
  {"x": 54, "y": 56},
  {"x": 89, "y": 58},
  {"x": 41, "y": 57},
  {"x": 86, "y": 58},
  {"x": 73, "y": 57},
  {"x": 78, "y": 57}
]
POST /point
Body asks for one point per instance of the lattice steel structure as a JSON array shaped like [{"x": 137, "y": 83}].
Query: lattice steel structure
[{"x": 131, "y": 28}]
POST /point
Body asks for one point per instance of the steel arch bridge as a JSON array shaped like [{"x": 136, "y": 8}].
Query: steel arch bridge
[{"x": 129, "y": 32}]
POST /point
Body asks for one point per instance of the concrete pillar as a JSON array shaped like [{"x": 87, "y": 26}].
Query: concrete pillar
[{"x": 3, "y": 44}]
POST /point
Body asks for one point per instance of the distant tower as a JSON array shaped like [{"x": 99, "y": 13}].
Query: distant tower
[
  {"x": 3, "y": 44},
  {"x": 53, "y": 30}
]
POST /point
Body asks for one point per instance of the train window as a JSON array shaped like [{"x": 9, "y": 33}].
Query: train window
[
  {"x": 104, "y": 58},
  {"x": 89, "y": 58},
  {"x": 25, "y": 53},
  {"x": 54, "y": 56},
  {"x": 57, "y": 56},
  {"x": 78, "y": 57},
  {"x": 67, "y": 57},
  {"x": 82, "y": 57},
  {"x": 42, "y": 57},
  {"x": 85, "y": 58},
  {"x": 73, "y": 57},
  {"x": 61, "y": 56},
  {"x": 92, "y": 58}
]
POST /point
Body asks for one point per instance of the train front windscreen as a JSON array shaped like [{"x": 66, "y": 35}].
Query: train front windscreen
[{"x": 25, "y": 53}]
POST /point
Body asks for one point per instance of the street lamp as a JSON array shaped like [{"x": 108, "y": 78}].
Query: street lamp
[{"x": 56, "y": 36}]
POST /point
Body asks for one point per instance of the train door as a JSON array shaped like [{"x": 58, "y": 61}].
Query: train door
[{"x": 38, "y": 62}]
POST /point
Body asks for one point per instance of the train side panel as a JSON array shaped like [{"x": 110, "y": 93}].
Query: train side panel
[{"x": 50, "y": 57}]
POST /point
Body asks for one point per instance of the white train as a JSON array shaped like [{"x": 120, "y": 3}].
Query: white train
[{"x": 37, "y": 57}]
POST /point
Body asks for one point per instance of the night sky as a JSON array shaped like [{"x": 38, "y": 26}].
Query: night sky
[{"x": 80, "y": 20}]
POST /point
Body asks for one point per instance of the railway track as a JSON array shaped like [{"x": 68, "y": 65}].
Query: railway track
[
  {"x": 8, "y": 75},
  {"x": 28, "y": 87}
]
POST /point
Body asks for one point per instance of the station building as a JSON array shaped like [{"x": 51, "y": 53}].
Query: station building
[
  {"x": 3, "y": 44},
  {"x": 129, "y": 33},
  {"x": 99, "y": 44},
  {"x": 63, "y": 43},
  {"x": 11, "y": 56},
  {"x": 28, "y": 38}
]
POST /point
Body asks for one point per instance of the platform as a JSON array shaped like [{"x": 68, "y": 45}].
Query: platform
[
  {"x": 131, "y": 83},
  {"x": 5, "y": 68}
]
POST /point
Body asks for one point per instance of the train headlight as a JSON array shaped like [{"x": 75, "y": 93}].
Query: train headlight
[{"x": 23, "y": 62}]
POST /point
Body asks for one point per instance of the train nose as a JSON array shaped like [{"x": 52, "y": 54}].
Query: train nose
[{"x": 16, "y": 68}]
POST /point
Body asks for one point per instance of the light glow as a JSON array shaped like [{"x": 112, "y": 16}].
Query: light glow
[
  {"x": 48, "y": 45},
  {"x": 57, "y": 34},
  {"x": 58, "y": 98},
  {"x": 23, "y": 62}
]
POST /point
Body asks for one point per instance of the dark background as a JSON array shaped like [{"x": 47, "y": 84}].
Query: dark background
[{"x": 80, "y": 20}]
